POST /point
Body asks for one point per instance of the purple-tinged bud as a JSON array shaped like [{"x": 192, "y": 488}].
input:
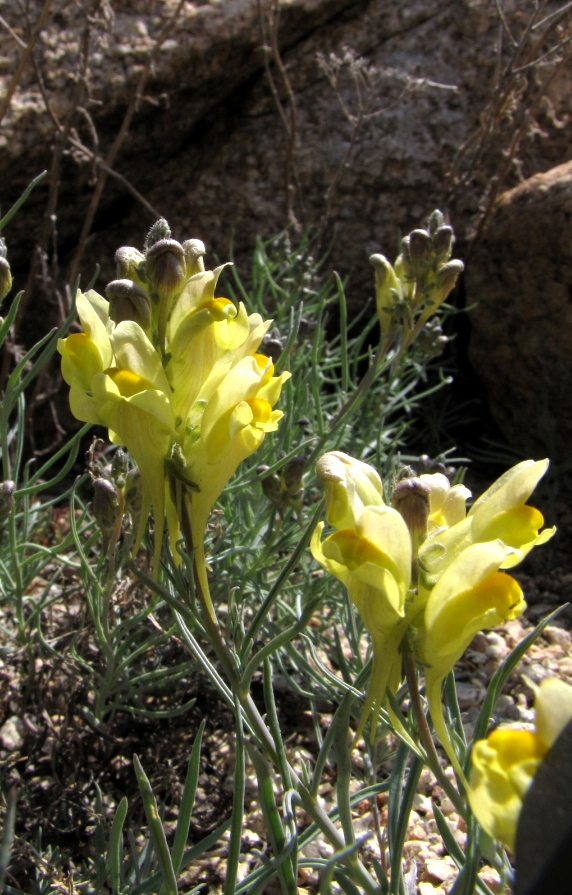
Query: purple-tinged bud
[
  {"x": 410, "y": 498},
  {"x": 420, "y": 247},
  {"x": 133, "y": 491},
  {"x": 105, "y": 507},
  {"x": 443, "y": 244},
  {"x": 272, "y": 487},
  {"x": 127, "y": 301},
  {"x": 165, "y": 268},
  {"x": 292, "y": 475}
]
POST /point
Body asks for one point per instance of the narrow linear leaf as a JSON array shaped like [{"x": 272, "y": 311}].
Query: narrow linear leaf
[
  {"x": 187, "y": 800},
  {"x": 115, "y": 849},
  {"x": 237, "y": 806},
  {"x": 453, "y": 847},
  {"x": 7, "y": 837},
  {"x": 156, "y": 831}
]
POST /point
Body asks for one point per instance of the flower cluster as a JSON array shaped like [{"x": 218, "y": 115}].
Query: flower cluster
[
  {"x": 505, "y": 763},
  {"x": 424, "y": 566},
  {"x": 174, "y": 373},
  {"x": 410, "y": 291}
]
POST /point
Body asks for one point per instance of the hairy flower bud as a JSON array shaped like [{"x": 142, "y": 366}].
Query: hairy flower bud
[
  {"x": 128, "y": 263},
  {"x": 127, "y": 301},
  {"x": 133, "y": 492},
  {"x": 105, "y": 507},
  {"x": 443, "y": 243},
  {"x": 435, "y": 222},
  {"x": 420, "y": 247},
  {"x": 444, "y": 282},
  {"x": 194, "y": 250},
  {"x": 410, "y": 498},
  {"x": 165, "y": 268},
  {"x": 159, "y": 230}
]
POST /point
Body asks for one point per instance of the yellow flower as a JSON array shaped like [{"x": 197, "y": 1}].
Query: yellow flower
[
  {"x": 373, "y": 560},
  {"x": 349, "y": 486},
  {"x": 446, "y": 501},
  {"x": 470, "y": 595},
  {"x": 174, "y": 373},
  {"x": 227, "y": 423},
  {"x": 500, "y": 513},
  {"x": 117, "y": 380},
  {"x": 504, "y": 764}
]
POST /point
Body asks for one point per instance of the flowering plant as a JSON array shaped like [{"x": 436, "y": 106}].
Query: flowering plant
[
  {"x": 425, "y": 568},
  {"x": 174, "y": 373}
]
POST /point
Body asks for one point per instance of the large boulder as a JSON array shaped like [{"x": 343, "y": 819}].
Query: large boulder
[
  {"x": 207, "y": 148},
  {"x": 520, "y": 279}
]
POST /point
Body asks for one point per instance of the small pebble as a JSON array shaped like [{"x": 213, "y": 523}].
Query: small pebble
[{"x": 11, "y": 734}]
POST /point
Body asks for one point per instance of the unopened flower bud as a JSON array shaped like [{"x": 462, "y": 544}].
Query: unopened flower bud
[
  {"x": 5, "y": 278},
  {"x": 292, "y": 479},
  {"x": 292, "y": 474},
  {"x": 165, "y": 268},
  {"x": 271, "y": 347},
  {"x": 5, "y": 272},
  {"x": 6, "y": 500},
  {"x": 435, "y": 222},
  {"x": 105, "y": 507},
  {"x": 271, "y": 486},
  {"x": 444, "y": 282},
  {"x": 127, "y": 301},
  {"x": 387, "y": 291},
  {"x": 349, "y": 486},
  {"x": 129, "y": 263},
  {"x": 443, "y": 243},
  {"x": 133, "y": 491},
  {"x": 194, "y": 251},
  {"x": 410, "y": 498},
  {"x": 420, "y": 247},
  {"x": 159, "y": 230},
  {"x": 119, "y": 467},
  {"x": 403, "y": 266}
]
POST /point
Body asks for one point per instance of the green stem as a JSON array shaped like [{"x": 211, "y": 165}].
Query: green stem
[
  {"x": 353, "y": 401},
  {"x": 258, "y": 725},
  {"x": 424, "y": 731}
]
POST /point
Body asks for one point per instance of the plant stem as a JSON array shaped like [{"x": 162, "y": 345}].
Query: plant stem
[
  {"x": 257, "y": 723},
  {"x": 424, "y": 731}
]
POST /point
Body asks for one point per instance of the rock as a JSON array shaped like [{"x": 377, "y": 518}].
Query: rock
[
  {"x": 11, "y": 734},
  {"x": 207, "y": 148},
  {"x": 520, "y": 277}
]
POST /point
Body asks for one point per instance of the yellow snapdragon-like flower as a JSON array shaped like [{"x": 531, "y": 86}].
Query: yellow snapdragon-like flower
[
  {"x": 470, "y": 595},
  {"x": 371, "y": 555},
  {"x": 500, "y": 513},
  {"x": 505, "y": 763},
  {"x": 175, "y": 374},
  {"x": 426, "y": 565},
  {"x": 447, "y": 503}
]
